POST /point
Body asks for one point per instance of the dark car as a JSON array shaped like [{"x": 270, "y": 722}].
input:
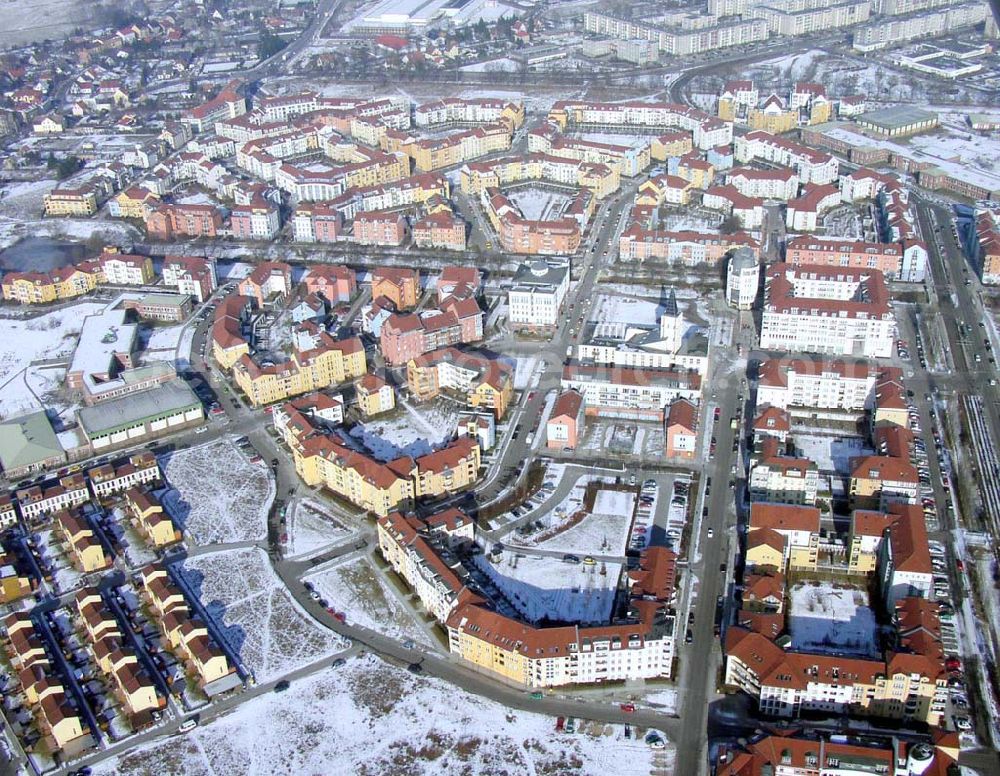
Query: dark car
[{"x": 281, "y": 686}]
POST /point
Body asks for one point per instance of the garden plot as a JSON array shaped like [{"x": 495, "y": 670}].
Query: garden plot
[
  {"x": 602, "y": 532},
  {"x": 543, "y": 588},
  {"x": 832, "y": 618},
  {"x": 369, "y": 718},
  {"x": 312, "y": 528},
  {"x": 228, "y": 505},
  {"x": 539, "y": 204},
  {"x": 256, "y": 614},
  {"x": 355, "y": 588},
  {"x": 831, "y": 453},
  {"x": 412, "y": 430}
]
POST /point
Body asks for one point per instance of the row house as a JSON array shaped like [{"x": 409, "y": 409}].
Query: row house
[
  {"x": 183, "y": 635},
  {"x": 123, "y": 269},
  {"x": 113, "y": 656},
  {"x": 148, "y": 514},
  {"x": 476, "y": 110},
  {"x": 775, "y": 183},
  {"x": 600, "y": 180},
  {"x": 41, "y": 501},
  {"x": 305, "y": 413},
  {"x": 84, "y": 547},
  {"x": 58, "y": 721},
  {"x": 728, "y": 199},
  {"x": 108, "y": 480}
]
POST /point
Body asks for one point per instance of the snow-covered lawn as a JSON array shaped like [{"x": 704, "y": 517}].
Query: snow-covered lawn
[
  {"x": 311, "y": 528},
  {"x": 544, "y": 587},
  {"x": 217, "y": 496},
  {"x": 162, "y": 342},
  {"x": 539, "y": 204},
  {"x": 369, "y": 718},
  {"x": 258, "y": 618},
  {"x": 411, "y": 429},
  {"x": 357, "y": 589},
  {"x": 832, "y": 618},
  {"x": 603, "y": 532},
  {"x": 831, "y": 453},
  {"x": 625, "y": 309},
  {"x": 48, "y": 336}
]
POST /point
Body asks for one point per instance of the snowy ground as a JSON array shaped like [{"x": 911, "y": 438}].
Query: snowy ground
[
  {"x": 369, "y": 718},
  {"x": 527, "y": 372},
  {"x": 543, "y": 587},
  {"x": 411, "y": 429},
  {"x": 603, "y": 532},
  {"x": 831, "y": 453},
  {"x": 23, "y": 388},
  {"x": 230, "y": 506},
  {"x": 623, "y": 437},
  {"x": 539, "y": 204},
  {"x": 311, "y": 528},
  {"x": 161, "y": 343},
  {"x": 625, "y": 309},
  {"x": 823, "y": 617},
  {"x": 258, "y": 617},
  {"x": 355, "y": 588}
]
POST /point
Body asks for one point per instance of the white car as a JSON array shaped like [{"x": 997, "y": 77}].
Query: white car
[
  {"x": 201, "y": 429},
  {"x": 188, "y": 725}
]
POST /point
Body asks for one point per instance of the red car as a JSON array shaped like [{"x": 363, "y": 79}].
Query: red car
[
  {"x": 560, "y": 723},
  {"x": 628, "y": 708},
  {"x": 269, "y": 409},
  {"x": 340, "y": 617},
  {"x": 953, "y": 664}
]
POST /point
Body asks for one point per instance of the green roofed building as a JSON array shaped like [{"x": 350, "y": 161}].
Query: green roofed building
[
  {"x": 898, "y": 121},
  {"x": 137, "y": 417},
  {"x": 28, "y": 444}
]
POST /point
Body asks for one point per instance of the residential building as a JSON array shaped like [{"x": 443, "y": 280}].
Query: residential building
[
  {"x": 627, "y": 392},
  {"x": 797, "y": 524},
  {"x": 905, "y": 260},
  {"x": 564, "y": 427},
  {"x": 374, "y": 395},
  {"x": 742, "y": 279},
  {"x": 335, "y": 283},
  {"x": 191, "y": 275},
  {"x": 682, "y": 429},
  {"x": 821, "y": 309},
  {"x": 536, "y": 294},
  {"x": 776, "y": 476},
  {"x": 811, "y": 385},
  {"x": 482, "y": 382},
  {"x": 268, "y": 279},
  {"x": 110, "y": 479},
  {"x": 400, "y": 285}
]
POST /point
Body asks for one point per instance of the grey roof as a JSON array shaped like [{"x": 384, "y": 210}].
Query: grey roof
[
  {"x": 541, "y": 271},
  {"x": 159, "y": 402},
  {"x": 896, "y": 116},
  {"x": 743, "y": 258},
  {"x": 26, "y": 440}
]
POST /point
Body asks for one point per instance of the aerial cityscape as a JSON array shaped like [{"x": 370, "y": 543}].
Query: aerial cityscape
[{"x": 500, "y": 387}]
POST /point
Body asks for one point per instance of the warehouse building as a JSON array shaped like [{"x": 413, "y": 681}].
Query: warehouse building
[{"x": 140, "y": 417}]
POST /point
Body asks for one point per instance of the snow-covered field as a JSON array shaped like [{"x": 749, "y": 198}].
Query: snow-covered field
[
  {"x": 835, "y": 619},
  {"x": 230, "y": 505},
  {"x": 831, "y": 453},
  {"x": 603, "y": 532},
  {"x": 543, "y": 587},
  {"x": 411, "y": 429},
  {"x": 539, "y": 204},
  {"x": 369, "y": 718},
  {"x": 357, "y": 589},
  {"x": 625, "y": 309},
  {"x": 49, "y": 336},
  {"x": 311, "y": 528},
  {"x": 258, "y": 617}
]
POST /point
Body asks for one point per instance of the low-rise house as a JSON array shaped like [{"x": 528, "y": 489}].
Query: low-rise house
[
  {"x": 374, "y": 394},
  {"x": 565, "y": 424},
  {"x": 681, "y": 429}
]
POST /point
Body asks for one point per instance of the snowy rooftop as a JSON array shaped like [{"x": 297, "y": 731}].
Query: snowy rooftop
[{"x": 103, "y": 335}]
